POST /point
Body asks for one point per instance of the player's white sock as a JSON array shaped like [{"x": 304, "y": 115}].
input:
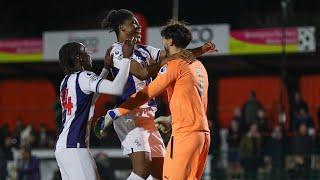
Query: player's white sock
[{"x": 134, "y": 176}]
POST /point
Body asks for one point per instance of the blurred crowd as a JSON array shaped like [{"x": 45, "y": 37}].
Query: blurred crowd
[
  {"x": 251, "y": 148},
  {"x": 23, "y": 138},
  {"x": 17, "y": 161}
]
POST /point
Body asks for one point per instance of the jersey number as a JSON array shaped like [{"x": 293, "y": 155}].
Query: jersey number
[{"x": 66, "y": 101}]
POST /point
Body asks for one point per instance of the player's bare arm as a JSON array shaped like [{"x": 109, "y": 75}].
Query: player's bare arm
[{"x": 144, "y": 73}]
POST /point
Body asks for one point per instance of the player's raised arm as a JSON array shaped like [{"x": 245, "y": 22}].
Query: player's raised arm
[
  {"x": 205, "y": 48},
  {"x": 167, "y": 74},
  {"x": 198, "y": 51},
  {"x": 115, "y": 87},
  {"x": 144, "y": 73},
  {"x": 188, "y": 55}
]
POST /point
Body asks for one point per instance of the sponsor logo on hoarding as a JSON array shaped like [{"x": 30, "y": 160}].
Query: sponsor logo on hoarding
[
  {"x": 21, "y": 50},
  {"x": 269, "y": 40}
]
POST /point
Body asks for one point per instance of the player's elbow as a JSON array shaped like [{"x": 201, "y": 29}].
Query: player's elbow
[
  {"x": 112, "y": 89},
  {"x": 118, "y": 91}
]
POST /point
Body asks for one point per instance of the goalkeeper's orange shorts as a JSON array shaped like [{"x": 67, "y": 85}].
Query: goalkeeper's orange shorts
[{"x": 186, "y": 156}]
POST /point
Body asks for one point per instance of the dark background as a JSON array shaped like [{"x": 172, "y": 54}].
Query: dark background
[{"x": 31, "y": 18}]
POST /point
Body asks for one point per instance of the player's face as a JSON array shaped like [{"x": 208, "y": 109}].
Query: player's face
[
  {"x": 132, "y": 29},
  {"x": 85, "y": 58}
]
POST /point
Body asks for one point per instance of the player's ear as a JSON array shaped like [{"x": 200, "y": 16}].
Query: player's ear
[
  {"x": 171, "y": 42},
  {"x": 121, "y": 28}
]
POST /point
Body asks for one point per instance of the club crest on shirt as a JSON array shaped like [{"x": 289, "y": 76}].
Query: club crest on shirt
[
  {"x": 91, "y": 76},
  {"x": 94, "y": 78},
  {"x": 163, "y": 69}
]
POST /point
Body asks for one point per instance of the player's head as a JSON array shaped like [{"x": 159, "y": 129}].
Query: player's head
[
  {"x": 74, "y": 57},
  {"x": 175, "y": 34},
  {"x": 123, "y": 23}
]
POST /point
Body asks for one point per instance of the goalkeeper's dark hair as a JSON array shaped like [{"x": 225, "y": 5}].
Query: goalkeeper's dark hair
[
  {"x": 67, "y": 57},
  {"x": 115, "y": 18},
  {"x": 178, "y": 32}
]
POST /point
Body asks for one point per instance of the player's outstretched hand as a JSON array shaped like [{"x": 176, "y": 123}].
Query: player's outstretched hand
[
  {"x": 209, "y": 47},
  {"x": 127, "y": 48},
  {"x": 104, "y": 122},
  {"x": 163, "y": 123},
  {"x": 108, "y": 58}
]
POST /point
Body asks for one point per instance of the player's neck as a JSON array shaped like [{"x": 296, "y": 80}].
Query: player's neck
[
  {"x": 174, "y": 50},
  {"x": 122, "y": 38},
  {"x": 78, "y": 67}
]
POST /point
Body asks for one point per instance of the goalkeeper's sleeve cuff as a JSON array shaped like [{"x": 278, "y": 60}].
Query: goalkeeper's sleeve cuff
[{"x": 114, "y": 113}]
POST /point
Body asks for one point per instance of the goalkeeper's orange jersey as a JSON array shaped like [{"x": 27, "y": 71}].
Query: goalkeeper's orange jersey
[{"x": 187, "y": 88}]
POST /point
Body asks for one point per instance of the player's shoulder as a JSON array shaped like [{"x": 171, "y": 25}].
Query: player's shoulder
[
  {"x": 197, "y": 63},
  {"x": 178, "y": 62},
  {"x": 183, "y": 64},
  {"x": 143, "y": 46},
  {"x": 116, "y": 47},
  {"x": 171, "y": 66},
  {"x": 62, "y": 82},
  {"x": 147, "y": 48},
  {"x": 116, "y": 50},
  {"x": 87, "y": 75}
]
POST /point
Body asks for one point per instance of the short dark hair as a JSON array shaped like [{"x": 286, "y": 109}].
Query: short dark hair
[
  {"x": 67, "y": 56},
  {"x": 178, "y": 32},
  {"x": 114, "y": 18}
]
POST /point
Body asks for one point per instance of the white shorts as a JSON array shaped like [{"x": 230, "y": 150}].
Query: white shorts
[
  {"x": 76, "y": 164},
  {"x": 139, "y": 138}
]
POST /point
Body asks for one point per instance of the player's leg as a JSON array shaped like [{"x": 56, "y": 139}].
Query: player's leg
[
  {"x": 157, "y": 167},
  {"x": 141, "y": 163},
  {"x": 203, "y": 156},
  {"x": 182, "y": 156},
  {"x": 59, "y": 157},
  {"x": 157, "y": 153},
  {"x": 134, "y": 141},
  {"x": 89, "y": 164},
  {"x": 78, "y": 164},
  {"x": 83, "y": 165},
  {"x": 137, "y": 147},
  {"x": 168, "y": 161}
]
